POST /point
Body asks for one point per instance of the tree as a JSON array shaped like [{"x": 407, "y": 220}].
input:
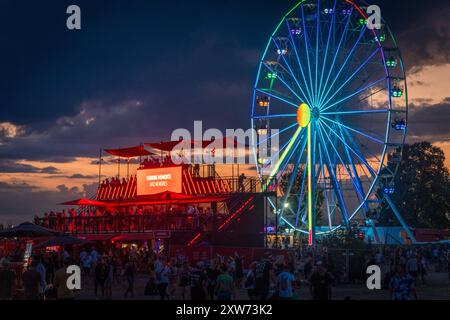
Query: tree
[{"x": 422, "y": 188}]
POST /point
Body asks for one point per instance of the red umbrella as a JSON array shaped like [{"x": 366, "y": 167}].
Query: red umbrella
[{"x": 85, "y": 202}]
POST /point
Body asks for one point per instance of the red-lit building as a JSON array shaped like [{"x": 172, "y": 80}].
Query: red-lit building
[{"x": 164, "y": 203}]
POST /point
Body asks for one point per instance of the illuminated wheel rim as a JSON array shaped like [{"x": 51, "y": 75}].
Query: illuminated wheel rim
[{"x": 352, "y": 79}]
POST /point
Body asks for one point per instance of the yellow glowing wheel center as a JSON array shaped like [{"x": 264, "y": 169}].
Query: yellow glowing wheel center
[{"x": 303, "y": 115}]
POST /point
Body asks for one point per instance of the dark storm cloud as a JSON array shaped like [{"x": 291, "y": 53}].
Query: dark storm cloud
[
  {"x": 20, "y": 201},
  {"x": 421, "y": 28},
  {"x": 184, "y": 62},
  {"x": 139, "y": 69},
  {"x": 429, "y": 122},
  {"x": 10, "y": 166},
  {"x": 80, "y": 176}
]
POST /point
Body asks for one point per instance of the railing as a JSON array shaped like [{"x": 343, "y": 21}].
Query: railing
[{"x": 131, "y": 223}]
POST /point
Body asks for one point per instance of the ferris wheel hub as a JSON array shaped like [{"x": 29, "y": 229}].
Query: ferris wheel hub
[{"x": 303, "y": 115}]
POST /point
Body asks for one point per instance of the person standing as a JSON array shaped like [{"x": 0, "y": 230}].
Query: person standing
[
  {"x": 212, "y": 272},
  {"x": 7, "y": 280},
  {"x": 99, "y": 278},
  {"x": 60, "y": 282},
  {"x": 108, "y": 278},
  {"x": 162, "y": 280},
  {"x": 86, "y": 263},
  {"x": 402, "y": 285},
  {"x": 423, "y": 268},
  {"x": 224, "y": 285},
  {"x": 41, "y": 269},
  {"x": 31, "y": 280},
  {"x": 184, "y": 279},
  {"x": 321, "y": 282},
  {"x": 412, "y": 267},
  {"x": 285, "y": 282},
  {"x": 198, "y": 283},
  {"x": 263, "y": 276},
  {"x": 130, "y": 275},
  {"x": 249, "y": 283},
  {"x": 239, "y": 270}
]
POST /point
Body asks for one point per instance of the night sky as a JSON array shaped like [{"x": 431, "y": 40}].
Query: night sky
[{"x": 140, "y": 69}]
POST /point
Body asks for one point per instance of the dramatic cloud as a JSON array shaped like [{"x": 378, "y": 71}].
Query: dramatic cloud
[
  {"x": 136, "y": 72},
  {"x": 429, "y": 122},
  {"x": 80, "y": 176},
  {"x": 427, "y": 41},
  {"x": 21, "y": 202},
  {"x": 9, "y": 166}
]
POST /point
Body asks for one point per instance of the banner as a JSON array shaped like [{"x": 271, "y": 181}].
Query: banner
[{"x": 159, "y": 180}]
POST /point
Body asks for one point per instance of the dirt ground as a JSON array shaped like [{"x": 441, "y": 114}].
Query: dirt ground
[{"x": 436, "y": 288}]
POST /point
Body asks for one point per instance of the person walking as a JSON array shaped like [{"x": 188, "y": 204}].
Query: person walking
[
  {"x": 402, "y": 285},
  {"x": 321, "y": 283},
  {"x": 184, "y": 279},
  {"x": 285, "y": 282},
  {"x": 225, "y": 289},
  {"x": 60, "y": 282},
  {"x": 130, "y": 275},
  {"x": 99, "y": 278},
  {"x": 198, "y": 283},
  {"x": 162, "y": 280},
  {"x": 31, "y": 280},
  {"x": 263, "y": 277},
  {"x": 7, "y": 280}
]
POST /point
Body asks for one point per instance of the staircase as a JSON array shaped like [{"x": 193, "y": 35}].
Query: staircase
[{"x": 238, "y": 205}]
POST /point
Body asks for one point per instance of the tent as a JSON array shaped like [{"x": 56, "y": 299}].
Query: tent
[
  {"x": 85, "y": 202},
  {"x": 28, "y": 230},
  {"x": 132, "y": 152},
  {"x": 62, "y": 241}
]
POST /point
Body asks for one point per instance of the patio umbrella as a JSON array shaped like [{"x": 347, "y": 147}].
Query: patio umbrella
[
  {"x": 62, "y": 241},
  {"x": 84, "y": 202},
  {"x": 28, "y": 230}
]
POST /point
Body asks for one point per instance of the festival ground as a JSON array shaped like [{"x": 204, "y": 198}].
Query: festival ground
[{"x": 437, "y": 288}]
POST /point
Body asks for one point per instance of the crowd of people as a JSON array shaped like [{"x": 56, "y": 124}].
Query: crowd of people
[
  {"x": 188, "y": 217},
  {"x": 221, "y": 278},
  {"x": 154, "y": 162}
]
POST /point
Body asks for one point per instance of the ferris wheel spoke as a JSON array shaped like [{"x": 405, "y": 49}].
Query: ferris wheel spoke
[
  {"x": 291, "y": 154},
  {"x": 287, "y": 150},
  {"x": 294, "y": 173},
  {"x": 317, "y": 51},
  {"x": 349, "y": 55},
  {"x": 358, "y": 185},
  {"x": 354, "y": 112},
  {"x": 356, "y": 147},
  {"x": 354, "y": 130},
  {"x": 372, "y": 93},
  {"x": 336, "y": 53},
  {"x": 279, "y": 132},
  {"x": 306, "y": 38},
  {"x": 350, "y": 78},
  {"x": 333, "y": 21},
  {"x": 302, "y": 194},
  {"x": 267, "y": 92},
  {"x": 275, "y": 116},
  {"x": 302, "y": 99},
  {"x": 345, "y": 166},
  {"x": 354, "y": 94},
  {"x": 334, "y": 181},
  {"x": 350, "y": 148},
  {"x": 299, "y": 64},
  {"x": 325, "y": 188}
]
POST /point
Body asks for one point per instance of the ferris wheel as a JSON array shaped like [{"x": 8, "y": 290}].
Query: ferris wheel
[{"x": 334, "y": 90}]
